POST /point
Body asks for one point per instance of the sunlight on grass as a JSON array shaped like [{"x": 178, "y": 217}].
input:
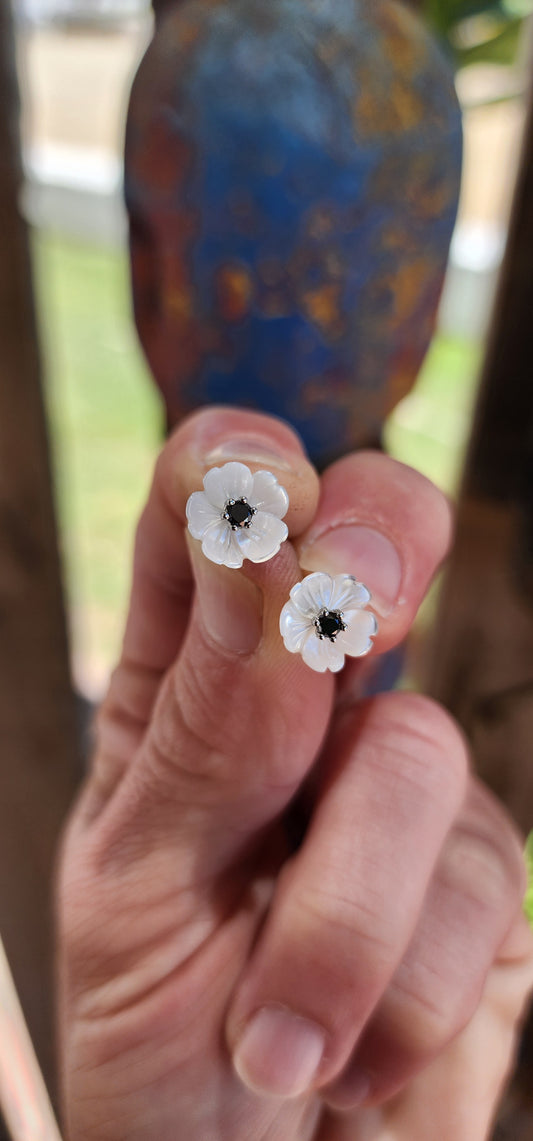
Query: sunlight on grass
[
  {"x": 105, "y": 427},
  {"x": 106, "y": 424},
  {"x": 528, "y": 902},
  {"x": 430, "y": 428}
]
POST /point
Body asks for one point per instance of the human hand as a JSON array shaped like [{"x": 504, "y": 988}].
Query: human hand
[{"x": 387, "y": 960}]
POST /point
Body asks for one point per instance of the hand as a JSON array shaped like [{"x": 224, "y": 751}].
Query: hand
[{"x": 214, "y": 984}]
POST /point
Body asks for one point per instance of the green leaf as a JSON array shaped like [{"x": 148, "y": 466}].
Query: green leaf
[{"x": 528, "y": 901}]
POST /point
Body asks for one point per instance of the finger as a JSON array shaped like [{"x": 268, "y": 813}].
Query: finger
[
  {"x": 162, "y": 587},
  {"x": 456, "y": 1097},
  {"x": 386, "y": 524},
  {"x": 345, "y": 911},
  {"x": 220, "y": 756},
  {"x": 162, "y": 581},
  {"x": 161, "y": 590},
  {"x": 474, "y": 898}
]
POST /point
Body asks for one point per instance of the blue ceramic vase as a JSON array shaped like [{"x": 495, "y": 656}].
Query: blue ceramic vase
[{"x": 292, "y": 177}]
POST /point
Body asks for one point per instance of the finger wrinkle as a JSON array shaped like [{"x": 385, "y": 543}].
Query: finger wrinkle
[
  {"x": 475, "y": 865},
  {"x": 317, "y": 909}
]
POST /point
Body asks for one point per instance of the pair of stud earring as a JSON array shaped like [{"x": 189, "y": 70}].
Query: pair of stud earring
[{"x": 240, "y": 516}]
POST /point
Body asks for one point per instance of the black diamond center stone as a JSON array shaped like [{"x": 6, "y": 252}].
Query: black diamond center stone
[
  {"x": 329, "y": 623},
  {"x": 238, "y": 513}
]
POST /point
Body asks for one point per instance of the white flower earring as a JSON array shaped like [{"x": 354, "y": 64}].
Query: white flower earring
[
  {"x": 238, "y": 515},
  {"x": 325, "y": 618}
]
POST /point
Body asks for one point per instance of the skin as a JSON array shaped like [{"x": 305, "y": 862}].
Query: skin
[{"x": 390, "y": 944}]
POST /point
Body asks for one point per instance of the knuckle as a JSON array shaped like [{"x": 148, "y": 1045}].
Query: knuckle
[
  {"x": 336, "y": 924},
  {"x": 199, "y": 696},
  {"x": 425, "y": 1019},
  {"x": 422, "y": 744},
  {"x": 130, "y": 694},
  {"x": 188, "y": 733},
  {"x": 503, "y": 832},
  {"x": 393, "y": 470},
  {"x": 485, "y": 867},
  {"x": 176, "y": 728},
  {"x": 422, "y": 498}
]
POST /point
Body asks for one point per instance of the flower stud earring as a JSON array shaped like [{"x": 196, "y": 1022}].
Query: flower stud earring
[
  {"x": 238, "y": 515},
  {"x": 325, "y": 618}
]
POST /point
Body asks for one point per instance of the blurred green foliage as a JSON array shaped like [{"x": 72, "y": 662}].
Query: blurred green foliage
[
  {"x": 479, "y": 31},
  {"x": 106, "y": 423},
  {"x": 528, "y": 902}
]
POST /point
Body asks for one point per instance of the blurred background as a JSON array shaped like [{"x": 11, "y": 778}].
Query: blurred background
[{"x": 76, "y": 60}]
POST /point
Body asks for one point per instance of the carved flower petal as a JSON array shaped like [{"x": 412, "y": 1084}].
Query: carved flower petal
[
  {"x": 219, "y": 546},
  {"x": 313, "y": 594},
  {"x": 268, "y": 495},
  {"x": 233, "y": 481},
  {"x": 361, "y": 626},
  {"x": 320, "y": 654},
  {"x": 263, "y": 539},
  {"x": 348, "y": 593},
  {"x": 237, "y": 480},
  {"x": 294, "y": 628},
  {"x": 200, "y": 514},
  {"x": 214, "y": 487}
]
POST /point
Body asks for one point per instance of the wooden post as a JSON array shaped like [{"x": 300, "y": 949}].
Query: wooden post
[
  {"x": 160, "y": 6},
  {"x": 482, "y": 659},
  {"x": 38, "y": 746},
  {"x": 482, "y": 666}
]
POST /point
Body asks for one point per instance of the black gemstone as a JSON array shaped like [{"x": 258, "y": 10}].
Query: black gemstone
[
  {"x": 329, "y": 623},
  {"x": 238, "y": 513}
]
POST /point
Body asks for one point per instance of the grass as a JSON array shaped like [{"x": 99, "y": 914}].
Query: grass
[
  {"x": 528, "y": 902},
  {"x": 105, "y": 424},
  {"x": 430, "y": 428}
]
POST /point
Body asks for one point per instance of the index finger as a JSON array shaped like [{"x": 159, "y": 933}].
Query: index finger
[
  {"x": 162, "y": 585},
  {"x": 162, "y": 579}
]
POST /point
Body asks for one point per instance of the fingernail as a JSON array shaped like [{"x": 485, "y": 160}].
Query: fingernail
[
  {"x": 248, "y": 449},
  {"x": 352, "y": 1090},
  {"x": 230, "y": 605},
  {"x": 363, "y": 552},
  {"x": 279, "y": 1053},
  {"x": 360, "y": 1087}
]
